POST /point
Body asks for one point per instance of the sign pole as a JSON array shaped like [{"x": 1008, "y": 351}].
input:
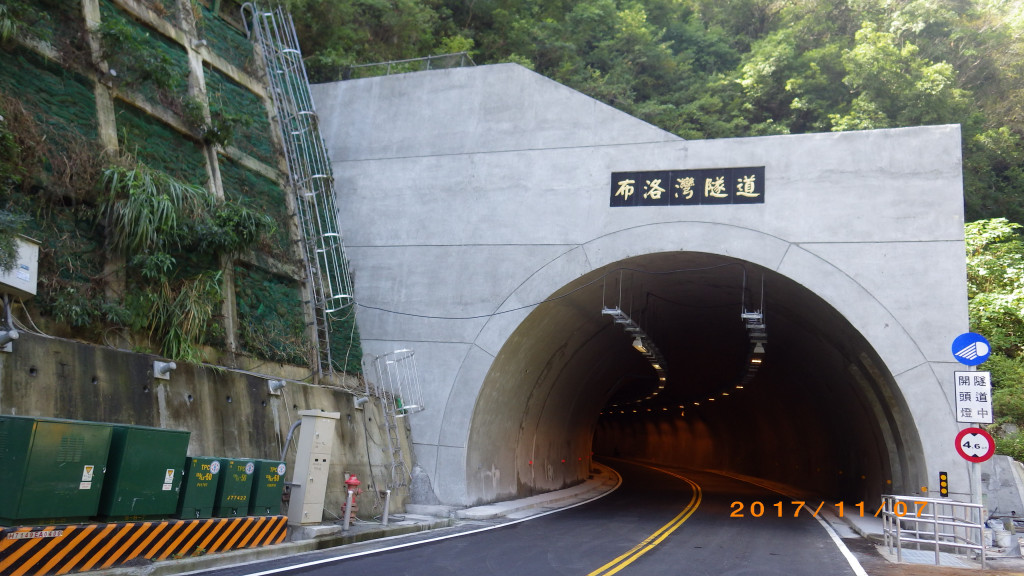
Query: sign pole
[
  {"x": 976, "y": 483},
  {"x": 973, "y": 399}
]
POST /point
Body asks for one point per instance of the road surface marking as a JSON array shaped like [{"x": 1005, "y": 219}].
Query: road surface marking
[{"x": 658, "y": 536}]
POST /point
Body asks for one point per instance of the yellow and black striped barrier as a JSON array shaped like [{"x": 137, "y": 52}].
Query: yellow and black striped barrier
[{"x": 61, "y": 549}]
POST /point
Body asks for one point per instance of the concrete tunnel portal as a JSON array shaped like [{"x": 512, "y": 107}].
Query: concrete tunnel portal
[
  {"x": 468, "y": 196},
  {"x": 820, "y": 412}
]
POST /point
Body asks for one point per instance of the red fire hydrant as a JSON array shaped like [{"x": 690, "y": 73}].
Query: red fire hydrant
[{"x": 352, "y": 486}]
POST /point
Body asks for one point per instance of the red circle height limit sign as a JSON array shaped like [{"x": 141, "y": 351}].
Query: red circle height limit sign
[{"x": 975, "y": 444}]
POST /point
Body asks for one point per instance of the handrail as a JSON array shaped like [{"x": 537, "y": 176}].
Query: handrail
[
  {"x": 463, "y": 57},
  {"x": 936, "y": 522}
]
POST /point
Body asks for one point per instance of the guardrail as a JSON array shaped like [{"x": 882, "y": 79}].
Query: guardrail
[
  {"x": 936, "y": 523},
  {"x": 432, "y": 62}
]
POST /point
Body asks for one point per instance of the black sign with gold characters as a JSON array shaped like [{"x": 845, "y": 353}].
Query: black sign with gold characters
[{"x": 688, "y": 187}]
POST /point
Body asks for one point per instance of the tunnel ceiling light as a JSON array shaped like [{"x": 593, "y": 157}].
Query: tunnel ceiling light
[
  {"x": 641, "y": 341},
  {"x": 757, "y": 330},
  {"x": 639, "y": 345}
]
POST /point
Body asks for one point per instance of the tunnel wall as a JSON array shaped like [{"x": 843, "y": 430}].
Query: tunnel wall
[{"x": 469, "y": 194}]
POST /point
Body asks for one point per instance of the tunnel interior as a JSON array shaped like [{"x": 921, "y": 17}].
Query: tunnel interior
[{"x": 817, "y": 410}]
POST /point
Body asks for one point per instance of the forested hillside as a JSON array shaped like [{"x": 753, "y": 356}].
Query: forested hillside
[
  {"x": 727, "y": 68},
  {"x": 717, "y": 69}
]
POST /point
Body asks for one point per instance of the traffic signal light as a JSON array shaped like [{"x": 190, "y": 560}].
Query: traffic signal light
[{"x": 943, "y": 485}]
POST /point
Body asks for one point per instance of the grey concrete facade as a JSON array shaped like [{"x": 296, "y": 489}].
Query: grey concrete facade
[{"x": 468, "y": 196}]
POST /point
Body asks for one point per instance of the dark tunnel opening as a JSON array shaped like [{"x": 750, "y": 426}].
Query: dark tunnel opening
[{"x": 810, "y": 404}]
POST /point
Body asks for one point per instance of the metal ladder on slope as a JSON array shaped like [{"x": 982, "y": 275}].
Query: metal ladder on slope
[{"x": 310, "y": 177}]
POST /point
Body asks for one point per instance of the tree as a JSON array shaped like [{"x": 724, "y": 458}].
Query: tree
[
  {"x": 995, "y": 280},
  {"x": 995, "y": 283},
  {"x": 336, "y": 35},
  {"x": 895, "y": 86}
]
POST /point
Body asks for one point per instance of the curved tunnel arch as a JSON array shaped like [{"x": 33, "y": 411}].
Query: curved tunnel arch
[{"x": 824, "y": 412}]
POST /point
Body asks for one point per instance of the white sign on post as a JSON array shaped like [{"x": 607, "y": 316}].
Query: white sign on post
[{"x": 973, "y": 397}]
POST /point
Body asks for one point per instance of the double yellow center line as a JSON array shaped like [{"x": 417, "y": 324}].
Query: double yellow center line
[{"x": 654, "y": 539}]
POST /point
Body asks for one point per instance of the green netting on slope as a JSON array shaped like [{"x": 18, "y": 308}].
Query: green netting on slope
[
  {"x": 57, "y": 22},
  {"x": 346, "y": 350},
  {"x": 143, "y": 58},
  {"x": 158, "y": 145},
  {"x": 61, "y": 99},
  {"x": 227, "y": 41},
  {"x": 270, "y": 320},
  {"x": 70, "y": 260},
  {"x": 252, "y": 130},
  {"x": 264, "y": 195}
]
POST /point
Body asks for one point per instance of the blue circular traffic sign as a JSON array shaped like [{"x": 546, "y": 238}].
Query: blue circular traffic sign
[{"x": 971, "y": 349}]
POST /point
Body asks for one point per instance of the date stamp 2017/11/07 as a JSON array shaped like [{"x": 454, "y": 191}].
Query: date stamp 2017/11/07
[{"x": 794, "y": 508}]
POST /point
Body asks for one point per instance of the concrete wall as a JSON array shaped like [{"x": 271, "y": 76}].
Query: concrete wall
[
  {"x": 229, "y": 414},
  {"x": 467, "y": 194}
]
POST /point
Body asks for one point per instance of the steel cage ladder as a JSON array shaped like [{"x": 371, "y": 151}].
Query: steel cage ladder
[
  {"x": 310, "y": 176},
  {"x": 399, "y": 388}
]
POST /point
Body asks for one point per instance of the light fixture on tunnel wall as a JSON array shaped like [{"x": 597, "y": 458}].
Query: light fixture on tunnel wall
[
  {"x": 753, "y": 320},
  {"x": 641, "y": 341},
  {"x": 757, "y": 332},
  {"x": 639, "y": 345}
]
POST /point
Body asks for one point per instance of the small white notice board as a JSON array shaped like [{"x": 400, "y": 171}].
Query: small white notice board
[{"x": 973, "y": 397}]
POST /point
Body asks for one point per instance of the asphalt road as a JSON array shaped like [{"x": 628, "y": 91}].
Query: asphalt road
[{"x": 659, "y": 521}]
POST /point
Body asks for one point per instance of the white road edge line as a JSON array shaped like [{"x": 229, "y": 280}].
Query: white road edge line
[
  {"x": 427, "y": 541},
  {"x": 854, "y": 563}
]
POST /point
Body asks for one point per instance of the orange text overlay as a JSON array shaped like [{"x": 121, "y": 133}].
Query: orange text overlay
[{"x": 795, "y": 508}]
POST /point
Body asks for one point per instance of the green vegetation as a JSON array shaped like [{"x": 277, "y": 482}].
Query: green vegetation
[
  {"x": 135, "y": 247},
  {"x": 269, "y": 326},
  {"x": 995, "y": 275},
  {"x": 154, "y": 221},
  {"x": 712, "y": 69},
  {"x": 141, "y": 59}
]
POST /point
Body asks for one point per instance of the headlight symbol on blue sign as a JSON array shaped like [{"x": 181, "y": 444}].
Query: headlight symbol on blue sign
[{"x": 971, "y": 349}]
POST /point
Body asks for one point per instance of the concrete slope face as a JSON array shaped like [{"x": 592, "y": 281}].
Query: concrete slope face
[{"x": 492, "y": 217}]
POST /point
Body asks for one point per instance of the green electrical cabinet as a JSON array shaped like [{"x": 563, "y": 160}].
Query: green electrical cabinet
[
  {"x": 234, "y": 487},
  {"x": 198, "y": 488},
  {"x": 144, "y": 472},
  {"x": 50, "y": 469},
  {"x": 267, "y": 486}
]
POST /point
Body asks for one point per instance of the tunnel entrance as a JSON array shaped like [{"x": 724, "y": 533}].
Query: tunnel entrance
[{"x": 821, "y": 411}]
